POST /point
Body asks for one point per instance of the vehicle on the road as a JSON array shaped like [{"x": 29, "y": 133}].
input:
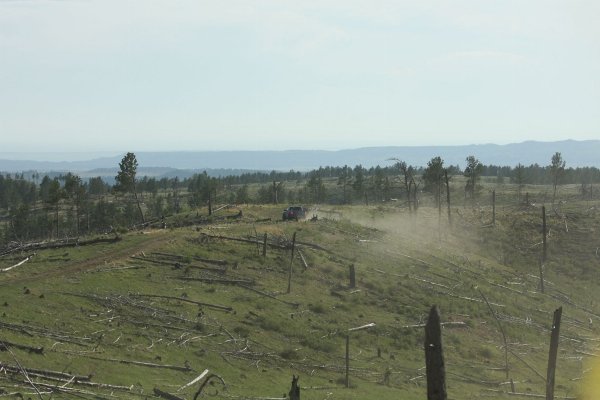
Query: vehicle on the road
[{"x": 294, "y": 213}]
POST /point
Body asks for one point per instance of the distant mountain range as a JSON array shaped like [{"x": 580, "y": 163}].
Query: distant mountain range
[{"x": 218, "y": 163}]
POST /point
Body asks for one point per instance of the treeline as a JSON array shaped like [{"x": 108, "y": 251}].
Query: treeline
[{"x": 34, "y": 207}]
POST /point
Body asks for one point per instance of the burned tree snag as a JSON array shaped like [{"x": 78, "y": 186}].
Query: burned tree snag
[
  {"x": 348, "y": 360},
  {"x": 448, "y": 197},
  {"x": 544, "y": 233},
  {"x": 494, "y": 207},
  {"x": 289, "y": 288},
  {"x": 294, "y": 392},
  {"x": 209, "y": 203},
  {"x": 542, "y": 276},
  {"x": 434, "y": 357},
  {"x": 352, "y": 274},
  {"x": 264, "y": 252},
  {"x": 553, "y": 354}
]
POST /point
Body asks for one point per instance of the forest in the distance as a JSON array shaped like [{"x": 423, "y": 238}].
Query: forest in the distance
[{"x": 34, "y": 207}]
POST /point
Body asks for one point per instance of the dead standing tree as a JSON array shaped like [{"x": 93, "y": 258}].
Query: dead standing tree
[
  {"x": 434, "y": 357},
  {"x": 553, "y": 354}
]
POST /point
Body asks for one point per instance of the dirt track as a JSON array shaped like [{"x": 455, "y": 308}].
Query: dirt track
[{"x": 153, "y": 240}]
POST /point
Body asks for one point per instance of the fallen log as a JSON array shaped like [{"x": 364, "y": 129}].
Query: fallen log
[
  {"x": 142, "y": 363},
  {"x": 18, "y": 264},
  {"x": 44, "y": 373},
  {"x": 216, "y": 306},
  {"x": 296, "y": 305},
  {"x": 202, "y": 375},
  {"x": 179, "y": 265},
  {"x": 456, "y": 324},
  {"x": 71, "y": 242},
  {"x": 217, "y": 280},
  {"x": 303, "y": 260},
  {"x": 166, "y": 395},
  {"x": 242, "y": 240},
  {"x": 197, "y": 258},
  {"x": 4, "y": 346}
]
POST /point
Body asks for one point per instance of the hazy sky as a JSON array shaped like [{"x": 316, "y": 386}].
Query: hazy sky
[{"x": 102, "y": 75}]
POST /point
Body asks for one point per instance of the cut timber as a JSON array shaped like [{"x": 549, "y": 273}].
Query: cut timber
[
  {"x": 18, "y": 264},
  {"x": 216, "y": 306}
]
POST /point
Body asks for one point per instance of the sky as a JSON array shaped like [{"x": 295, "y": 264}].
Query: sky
[{"x": 149, "y": 75}]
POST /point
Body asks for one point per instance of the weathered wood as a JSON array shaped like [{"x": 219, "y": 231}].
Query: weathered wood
[
  {"x": 218, "y": 280},
  {"x": 216, "y": 306},
  {"x": 303, "y": 259},
  {"x": 289, "y": 287},
  {"x": 554, "y": 337},
  {"x": 202, "y": 375},
  {"x": 206, "y": 381},
  {"x": 43, "y": 373},
  {"x": 542, "y": 276},
  {"x": 269, "y": 296},
  {"x": 434, "y": 357},
  {"x": 352, "y": 276},
  {"x": 71, "y": 242},
  {"x": 347, "y": 360},
  {"x": 142, "y": 363},
  {"x": 166, "y": 395},
  {"x": 17, "y": 264},
  {"x": 177, "y": 264},
  {"x": 493, "y": 207},
  {"x": 242, "y": 240},
  {"x": 4, "y": 346},
  {"x": 501, "y": 331},
  {"x": 264, "y": 250},
  {"x": 294, "y": 392},
  {"x": 544, "y": 234}
]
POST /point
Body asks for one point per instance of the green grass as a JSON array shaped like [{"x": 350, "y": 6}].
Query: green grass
[{"x": 76, "y": 303}]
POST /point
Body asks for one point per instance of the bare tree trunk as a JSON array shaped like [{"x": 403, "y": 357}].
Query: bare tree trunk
[
  {"x": 139, "y": 206},
  {"x": 434, "y": 357},
  {"x": 553, "y": 354},
  {"x": 494, "y": 207},
  {"x": 448, "y": 196}
]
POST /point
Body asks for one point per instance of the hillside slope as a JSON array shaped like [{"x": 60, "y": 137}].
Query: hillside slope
[{"x": 157, "y": 308}]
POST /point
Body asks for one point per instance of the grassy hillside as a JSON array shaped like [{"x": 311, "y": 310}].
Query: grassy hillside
[{"x": 98, "y": 312}]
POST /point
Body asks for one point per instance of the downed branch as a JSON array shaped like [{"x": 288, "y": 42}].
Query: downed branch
[
  {"x": 18, "y": 264},
  {"x": 202, "y": 375},
  {"x": 216, "y": 306}
]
